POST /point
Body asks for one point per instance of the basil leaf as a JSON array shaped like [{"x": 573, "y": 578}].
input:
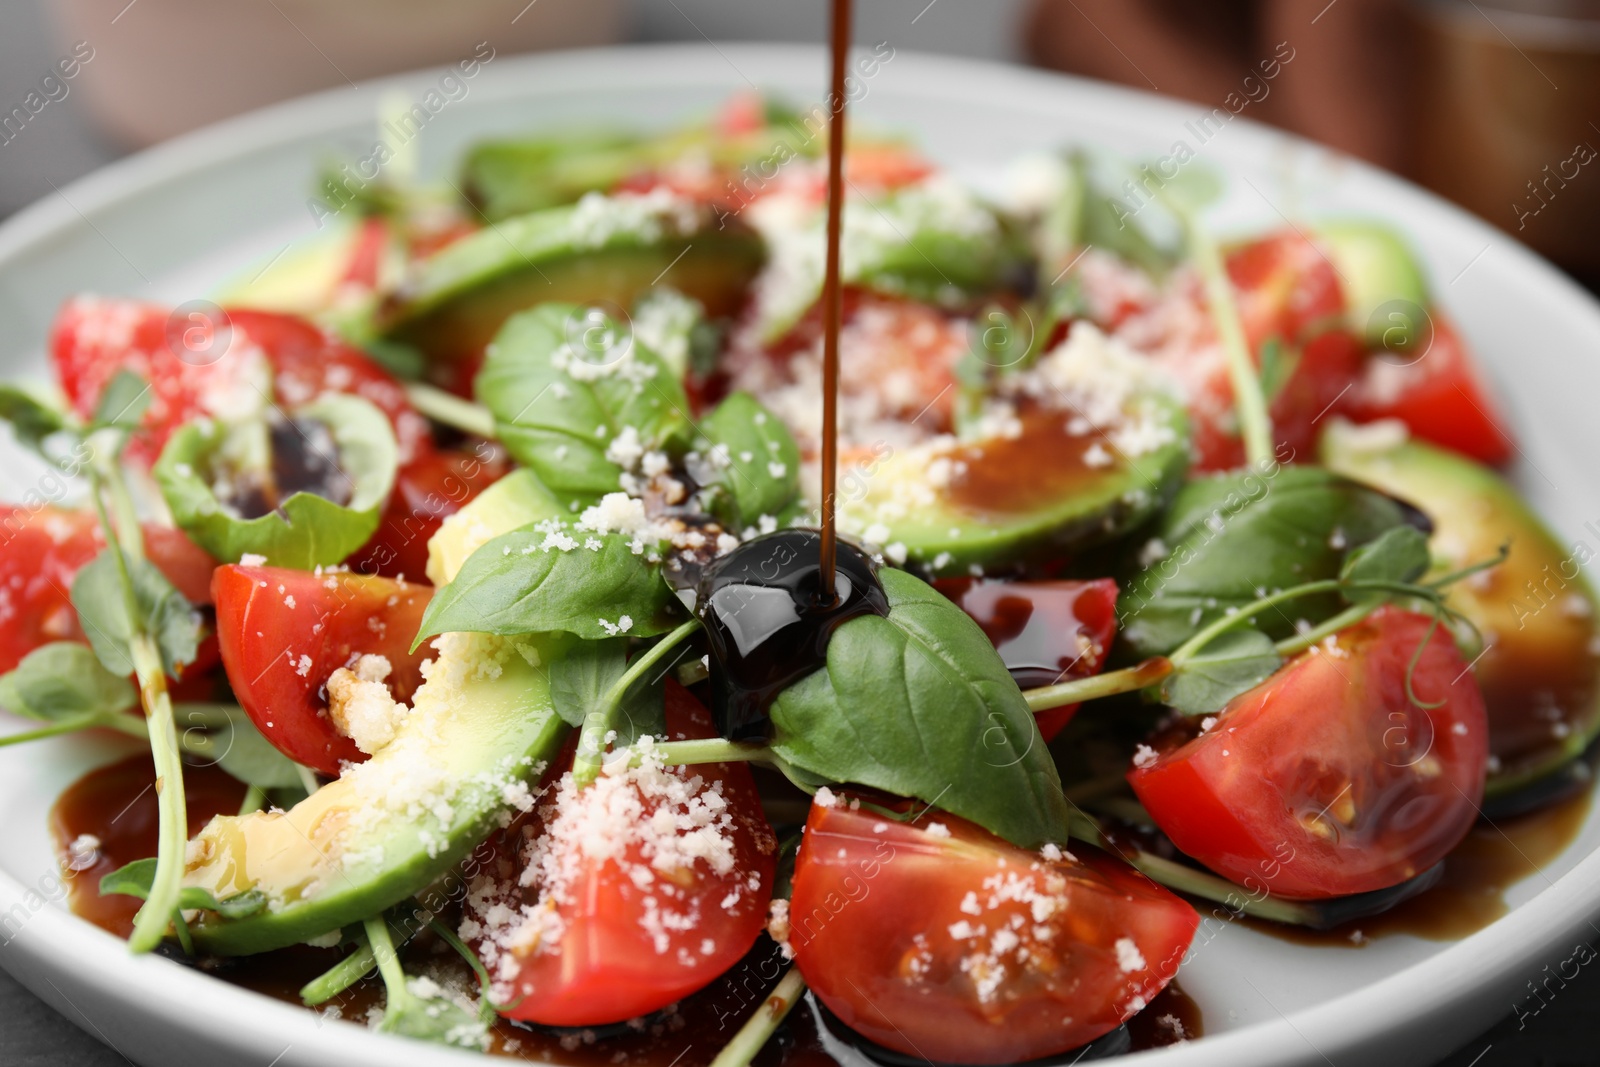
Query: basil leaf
[
  {"x": 919, "y": 704},
  {"x": 65, "y": 680},
  {"x": 122, "y": 402},
  {"x": 307, "y": 530},
  {"x": 580, "y": 679},
  {"x": 748, "y": 460},
  {"x": 1233, "y": 538},
  {"x": 1397, "y": 555},
  {"x": 674, "y": 327},
  {"x": 1235, "y": 662},
  {"x": 102, "y": 606},
  {"x": 135, "y": 879},
  {"x": 32, "y": 419},
  {"x": 526, "y": 582},
  {"x": 564, "y": 382}
]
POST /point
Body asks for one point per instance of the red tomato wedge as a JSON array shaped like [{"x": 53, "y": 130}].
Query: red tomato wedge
[
  {"x": 426, "y": 492},
  {"x": 1326, "y": 780},
  {"x": 1046, "y": 632},
  {"x": 283, "y": 632},
  {"x": 1440, "y": 396},
  {"x": 640, "y": 888},
  {"x": 939, "y": 940},
  {"x": 40, "y": 552},
  {"x": 1286, "y": 287},
  {"x": 194, "y": 360}
]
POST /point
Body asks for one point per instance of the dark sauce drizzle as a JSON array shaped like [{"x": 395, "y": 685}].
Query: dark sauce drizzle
[{"x": 768, "y": 622}]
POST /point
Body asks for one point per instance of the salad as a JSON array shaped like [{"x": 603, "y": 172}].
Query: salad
[{"x": 460, "y": 571}]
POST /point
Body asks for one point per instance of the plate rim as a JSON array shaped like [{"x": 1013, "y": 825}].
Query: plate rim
[{"x": 1426, "y": 989}]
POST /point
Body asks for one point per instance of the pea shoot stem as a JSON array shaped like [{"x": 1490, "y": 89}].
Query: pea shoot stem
[
  {"x": 1255, "y": 424},
  {"x": 451, "y": 410},
  {"x": 341, "y": 976},
  {"x": 381, "y": 945},
  {"x": 126, "y": 542},
  {"x": 600, "y": 720},
  {"x": 1157, "y": 669},
  {"x": 759, "y": 1028}
]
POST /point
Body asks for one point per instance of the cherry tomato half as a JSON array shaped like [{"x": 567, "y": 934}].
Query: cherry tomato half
[
  {"x": 939, "y": 940},
  {"x": 192, "y": 361},
  {"x": 283, "y": 632},
  {"x": 1327, "y": 780},
  {"x": 642, "y": 888},
  {"x": 1439, "y": 394},
  {"x": 41, "y": 550},
  {"x": 1046, "y": 632}
]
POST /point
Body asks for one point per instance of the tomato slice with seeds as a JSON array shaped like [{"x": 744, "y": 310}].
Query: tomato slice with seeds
[
  {"x": 41, "y": 550},
  {"x": 1439, "y": 394},
  {"x": 1046, "y": 632},
  {"x": 641, "y": 888},
  {"x": 1327, "y": 780},
  {"x": 283, "y": 632},
  {"x": 936, "y": 939},
  {"x": 194, "y": 362}
]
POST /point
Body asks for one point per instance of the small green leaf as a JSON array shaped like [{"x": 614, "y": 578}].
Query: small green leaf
[
  {"x": 564, "y": 382},
  {"x": 749, "y": 460},
  {"x": 1397, "y": 555},
  {"x": 123, "y": 402},
  {"x": 434, "y": 1017},
  {"x": 1194, "y": 187},
  {"x": 135, "y": 879},
  {"x": 307, "y": 530},
  {"x": 1234, "y": 662},
  {"x": 919, "y": 704},
  {"x": 580, "y": 680},
  {"x": 32, "y": 419},
  {"x": 1278, "y": 365},
  {"x": 62, "y": 681},
  {"x": 526, "y": 582},
  {"x": 163, "y": 613},
  {"x": 1231, "y": 539},
  {"x": 245, "y": 754}
]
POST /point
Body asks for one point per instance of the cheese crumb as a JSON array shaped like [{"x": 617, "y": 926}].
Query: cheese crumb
[{"x": 361, "y": 706}]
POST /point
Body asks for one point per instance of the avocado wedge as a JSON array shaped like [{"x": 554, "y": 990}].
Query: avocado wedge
[
  {"x": 482, "y": 726},
  {"x": 1537, "y": 614},
  {"x": 1049, "y": 481},
  {"x": 601, "y": 250},
  {"x": 1386, "y": 296}
]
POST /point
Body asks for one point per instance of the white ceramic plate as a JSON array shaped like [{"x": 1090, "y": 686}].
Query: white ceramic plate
[{"x": 172, "y": 223}]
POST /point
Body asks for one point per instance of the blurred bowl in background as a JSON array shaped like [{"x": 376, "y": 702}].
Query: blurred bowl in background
[
  {"x": 1506, "y": 122},
  {"x": 162, "y": 67}
]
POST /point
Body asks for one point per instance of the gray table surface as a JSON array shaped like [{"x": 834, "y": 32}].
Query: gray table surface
[{"x": 1566, "y": 1033}]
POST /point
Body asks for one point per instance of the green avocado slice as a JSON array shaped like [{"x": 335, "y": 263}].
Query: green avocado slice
[
  {"x": 1051, "y": 483},
  {"x": 481, "y": 727},
  {"x": 1385, "y": 293},
  {"x": 601, "y": 250},
  {"x": 1540, "y": 674}
]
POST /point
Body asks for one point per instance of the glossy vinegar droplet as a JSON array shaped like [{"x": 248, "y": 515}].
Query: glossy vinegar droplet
[{"x": 768, "y": 623}]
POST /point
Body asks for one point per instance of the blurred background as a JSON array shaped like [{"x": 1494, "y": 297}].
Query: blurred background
[{"x": 1492, "y": 103}]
